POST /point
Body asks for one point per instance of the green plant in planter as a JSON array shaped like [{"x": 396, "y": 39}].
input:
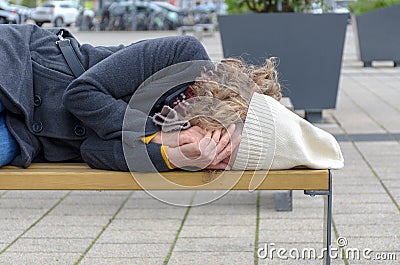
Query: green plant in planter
[
  {"x": 272, "y": 6},
  {"x": 363, "y": 6}
]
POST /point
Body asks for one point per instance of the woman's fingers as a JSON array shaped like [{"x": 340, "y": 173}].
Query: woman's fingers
[
  {"x": 208, "y": 134},
  {"x": 199, "y": 154},
  {"x": 224, "y": 147},
  {"x": 222, "y": 165},
  {"x": 192, "y": 135},
  {"x": 212, "y": 150},
  {"x": 216, "y": 135},
  {"x": 208, "y": 146},
  {"x": 229, "y": 152},
  {"x": 173, "y": 139},
  {"x": 225, "y": 139},
  {"x": 184, "y": 155}
]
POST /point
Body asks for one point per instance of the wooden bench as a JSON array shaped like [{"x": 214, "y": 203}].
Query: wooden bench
[{"x": 70, "y": 176}]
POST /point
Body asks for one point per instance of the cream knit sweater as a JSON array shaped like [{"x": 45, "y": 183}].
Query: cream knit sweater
[{"x": 274, "y": 137}]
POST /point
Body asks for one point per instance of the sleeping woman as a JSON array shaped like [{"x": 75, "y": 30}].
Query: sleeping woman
[{"x": 50, "y": 113}]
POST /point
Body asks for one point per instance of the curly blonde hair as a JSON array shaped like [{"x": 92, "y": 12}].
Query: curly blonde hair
[{"x": 223, "y": 94}]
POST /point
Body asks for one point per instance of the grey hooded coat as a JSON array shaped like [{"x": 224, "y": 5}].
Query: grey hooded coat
[{"x": 57, "y": 117}]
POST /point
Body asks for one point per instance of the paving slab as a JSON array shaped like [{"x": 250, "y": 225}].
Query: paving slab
[
  {"x": 145, "y": 224},
  {"x": 112, "y": 236},
  {"x": 290, "y": 225},
  {"x": 83, "y": 221},
  {"x": 108, "y": 250},
  {"x": 169, "y": 213},
  {"x": 50, "y": 245},
  {"x": 218, "y": 209},
  {"x": 22, "y": 214},
  {"x": 286, "y": 236},
  {"x": 216, "y": 231},
  {"x": 23, "y": 258},
  {"x": 370, "y": 230},
  {"x": 215, "y": 244},
  {"x": 7, "y": 236},
  {"x": 220, "y": 220},
  {"x": 26, "y": 203},
  {"x": 84, "y": 210},
  {"x": 122, "y": 261},
  {"x": 372, "y": 208},
  {"x": 43, "y": 230},
  {"x": 147, "y": 203},
  {"x": 366, "y": 218},
  {"x": 201, "y": 258}
]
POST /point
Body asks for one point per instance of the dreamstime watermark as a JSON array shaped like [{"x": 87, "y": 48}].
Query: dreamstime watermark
[{"x": 341, "y": 251}]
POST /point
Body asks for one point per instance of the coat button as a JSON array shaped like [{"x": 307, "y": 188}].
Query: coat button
[
  {"x": 79, "y": 131},
  {"x": 37, "y": 127},
  {"x": 37, "y": 101}
]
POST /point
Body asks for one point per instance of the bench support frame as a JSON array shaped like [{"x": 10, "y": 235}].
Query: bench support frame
[{"x": 327, "y": 218}]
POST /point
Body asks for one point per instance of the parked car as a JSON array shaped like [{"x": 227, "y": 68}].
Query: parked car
[
  {"x": 7, "y": 17},
  {"x": 137, "y": 15},
  {"x": 206, "y": 13},
  {"x": 219, "y": 9},
  {"x": 23, "y": 12},
  {"x": 7, "y": 14},
  {"x": 59, "y": 13},
  {"x": 85, "y": 19},
  {"x": 315, "y": 8},
  {"x": 175, "y": 14},
  {"x": 341, "y": 7}
]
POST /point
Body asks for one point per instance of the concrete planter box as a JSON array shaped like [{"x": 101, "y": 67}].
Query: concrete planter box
[
  {"x": 309, "y": 48},
  {"x": 377, "y": 35}
]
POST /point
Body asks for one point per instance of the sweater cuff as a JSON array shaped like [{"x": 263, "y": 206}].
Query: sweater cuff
[
  {"x": 156, "y": 157},
  {"x": 147, "y": 139},
  {"x": 164, "y": 153}
]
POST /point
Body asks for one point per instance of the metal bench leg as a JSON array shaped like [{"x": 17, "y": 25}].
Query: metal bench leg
[
  {"x": 327, "y": 217},
  {"x": 283, "y": 201}
]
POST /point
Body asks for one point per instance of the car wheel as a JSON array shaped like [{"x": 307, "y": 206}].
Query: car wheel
[
  {"x": 39, "y": 23},
  {"x": 68, "y": 25},
  {"x": 58, "y": 22},
  {"x": 3, "y": 20}
]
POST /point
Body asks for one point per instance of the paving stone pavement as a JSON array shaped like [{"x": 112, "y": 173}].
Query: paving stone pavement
[{"x": 79, "y": 227}]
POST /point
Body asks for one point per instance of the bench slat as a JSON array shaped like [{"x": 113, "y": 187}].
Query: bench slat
[{"x": 45, "y": 176}]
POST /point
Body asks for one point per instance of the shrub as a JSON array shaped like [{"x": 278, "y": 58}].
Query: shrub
[{"x": 363, "y": 6}]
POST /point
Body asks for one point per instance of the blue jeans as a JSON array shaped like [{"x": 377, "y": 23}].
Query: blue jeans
[{"x": 8, "y": 145}]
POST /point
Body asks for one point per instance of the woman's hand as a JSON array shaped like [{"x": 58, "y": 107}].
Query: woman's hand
[
  {"x": 213, "y": 151},
  {"x": 199, "y": 155},
  {"x": 174, "y": 139},
  {"x": 228, "y": 141}
]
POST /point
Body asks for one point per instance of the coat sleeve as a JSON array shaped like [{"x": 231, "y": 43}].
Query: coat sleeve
[
  {"x": 110, "y": 155},
  {"x": 98, "y": 96}
]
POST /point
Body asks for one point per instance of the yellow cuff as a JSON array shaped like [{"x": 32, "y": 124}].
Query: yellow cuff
[
  {"x": 164, "y": 154},
  {"x": 147, "y": 139}
]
